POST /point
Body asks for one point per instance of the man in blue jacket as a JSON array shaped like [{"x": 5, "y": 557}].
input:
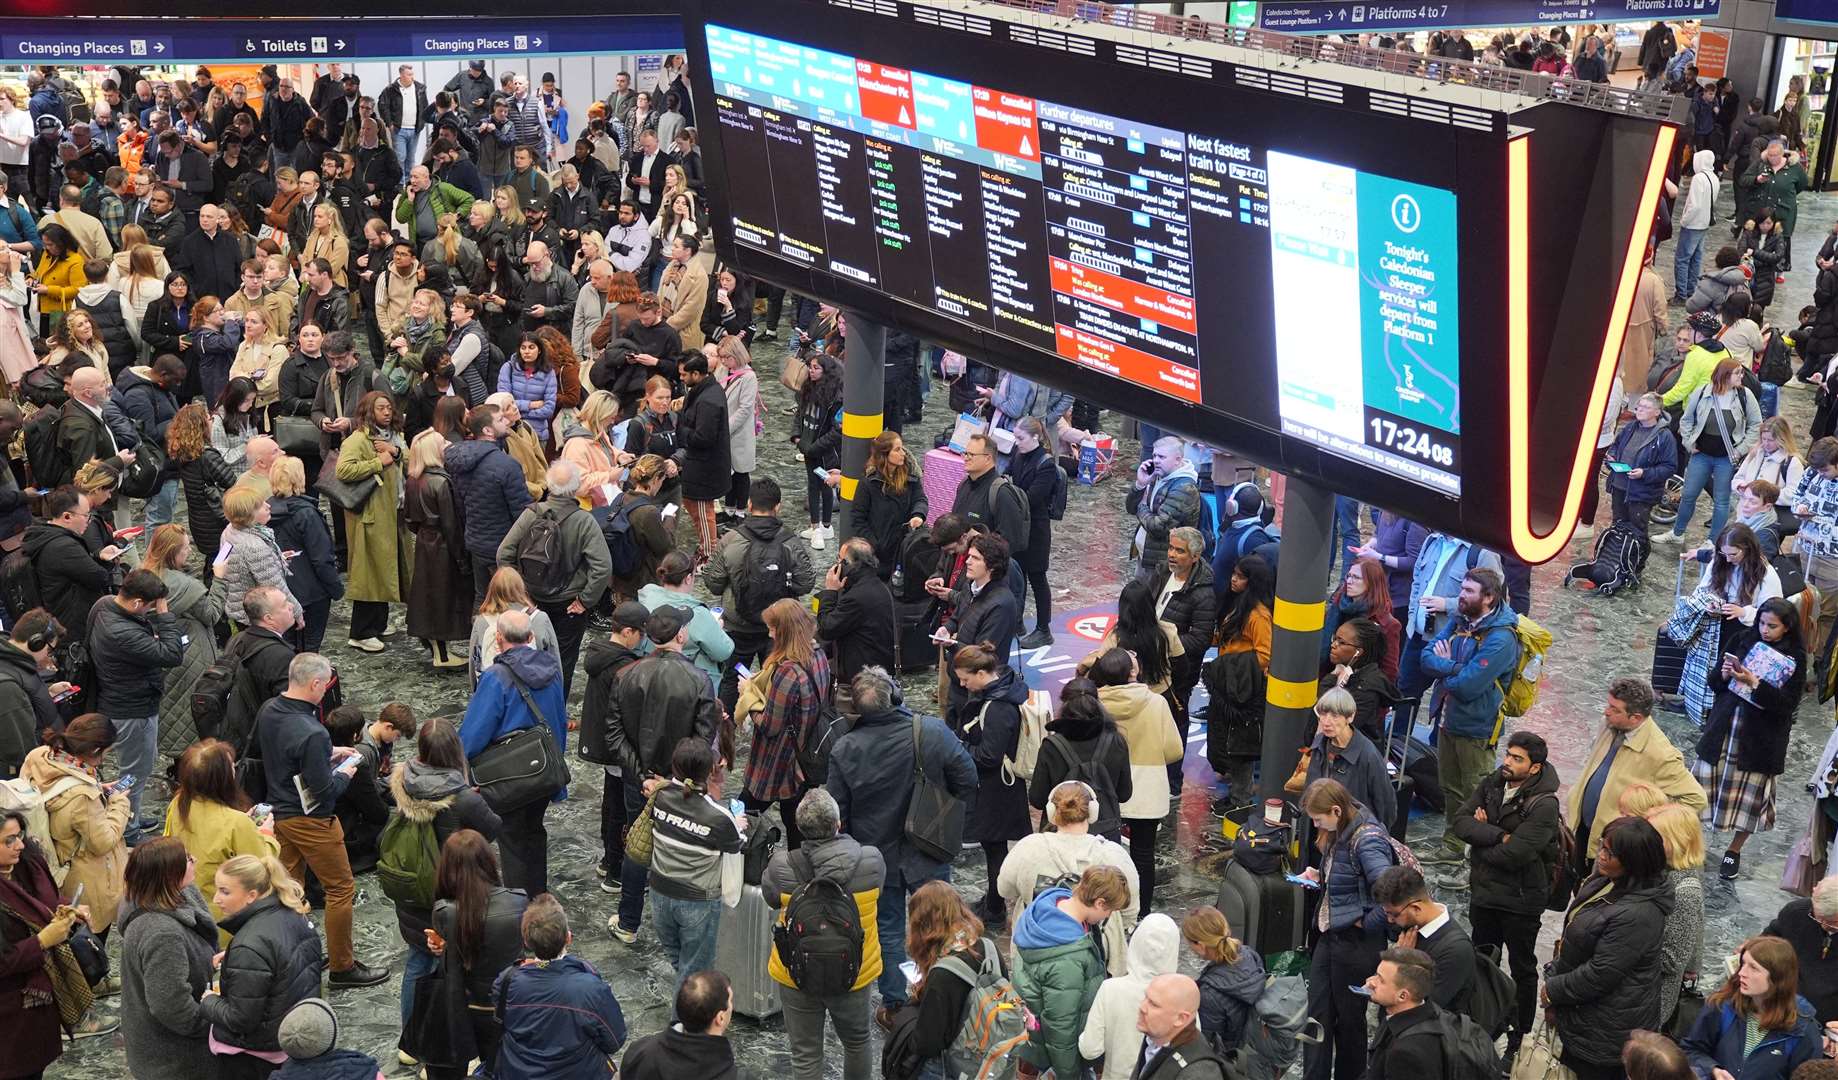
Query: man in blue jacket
[
  {"x": 492, "y": 494},
  {"x": 1472, "y": 660},
  {"x": 871, "y": 777},
  {"x": 561, "y": 1021},
  {"x": 522, "y": 688}
]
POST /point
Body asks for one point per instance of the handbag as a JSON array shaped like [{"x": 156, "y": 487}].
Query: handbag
[
  {"x": 297, "y": 436},
  {"x": 1540, "y": 1058},
  {"x": 1685, "y": 1013},
  {"x": 91, "y": 957},
  {"x": 638, "y": 835},
  {"x": 524, "y": 766},
  {"x": 348, "y": 496},
  {"x": 934, "y": 817},
  {"x": 794, "y": 373},
  {"x": 439, "y": 1030},
  {"x": 1802, "y": 871},
  {"x": 68, "y": 989},
  {"x": 141, "y": 479}
]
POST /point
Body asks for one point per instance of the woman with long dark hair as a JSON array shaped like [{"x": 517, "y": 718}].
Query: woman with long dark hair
[
  {"x": 1604, "y": 981},
  {"x": 476, "y": 934},
  {"x": 819, "y": 439},
  {"x": 1756, "y": 1026},
  {"x": 529, "y": 377},
  {"x": 1365, "y": 593},
  {"x": 992, "y": 729},
  {"x": 1355, "y": 663},
  {"x": 1730, "y": 592},
  {"x": 983, "y": 609},
  {"x": 1035, "y": 470},
  {"x": 234, "y": 422},
  {"x": 1758, "y": 684},
  {"x": 168, "y": 938},
  {"x": 890, "y": 501},
  {"x": 210, "y": 814},
  {"x": 1236, "y": 677},
  {"x": 1155, "y": 643},
  {"x": 1083, "y": 737}
]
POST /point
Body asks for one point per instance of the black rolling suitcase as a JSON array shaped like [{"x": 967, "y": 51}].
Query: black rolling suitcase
[
  {"x": 1403, "y": 785},
  {"x": 1264, "y": 909},
  {"x": 1669, "y": 655},
  {"x": 914, "y": 648}
]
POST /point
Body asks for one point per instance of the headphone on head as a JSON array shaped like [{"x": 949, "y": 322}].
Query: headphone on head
[
  {"x": 1090, "y": 794},
  {"x": 1231, "y": 499}
]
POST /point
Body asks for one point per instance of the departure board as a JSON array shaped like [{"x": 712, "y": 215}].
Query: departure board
[{"x": 1124, "y": 247}]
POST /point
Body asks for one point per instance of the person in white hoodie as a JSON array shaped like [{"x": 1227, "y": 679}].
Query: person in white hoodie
[
  {"x": 1042, "y": 860},
  {"x": 1110, "y": 1026},
  {"x": 1700, "y": 202}
]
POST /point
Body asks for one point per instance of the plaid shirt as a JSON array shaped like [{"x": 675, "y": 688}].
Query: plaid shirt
[
  {"x": 113, "y": 214},
  {"x": 793, "y": 697}
]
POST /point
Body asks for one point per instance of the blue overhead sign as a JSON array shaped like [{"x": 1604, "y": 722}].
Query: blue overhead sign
[
  {"x": 1343, "y": 17},
  {"x": 1807, "y": 10},
  {"x": 149, "y": 41}
]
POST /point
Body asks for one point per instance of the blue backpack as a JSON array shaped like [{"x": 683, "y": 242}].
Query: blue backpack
[{"x": 621, "y": 545}]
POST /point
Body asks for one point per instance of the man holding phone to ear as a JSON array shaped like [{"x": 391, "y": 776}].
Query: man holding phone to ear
[{"x": 134, "y": 639}]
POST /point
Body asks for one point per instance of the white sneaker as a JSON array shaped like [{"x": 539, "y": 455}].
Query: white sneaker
[
  {"x": 369, "y": 645},
  {"x": 819, "y": 538}
]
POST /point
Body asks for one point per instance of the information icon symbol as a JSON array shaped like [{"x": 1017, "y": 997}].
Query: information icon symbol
[{"x": 1406, "y": 214}]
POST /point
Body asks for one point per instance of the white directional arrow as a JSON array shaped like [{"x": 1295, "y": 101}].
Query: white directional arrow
[
  {"x": 159, "y": 46},
  {"x": 536, "y": 43},
  {"x": 339, "y": 44}
]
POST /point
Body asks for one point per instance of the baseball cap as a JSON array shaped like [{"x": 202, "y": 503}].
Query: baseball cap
[
  {"x": 476, "y": 64},
  {"x": 666, "y": 623},
  {"x": 49, "y": 123},
  {"x": 631, "y": 615}
]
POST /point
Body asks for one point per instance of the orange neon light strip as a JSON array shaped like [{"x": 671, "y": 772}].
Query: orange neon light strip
[{"x": 1530, "y": 546}]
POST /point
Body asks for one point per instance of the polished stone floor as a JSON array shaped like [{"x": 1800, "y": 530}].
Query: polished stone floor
[{"x": 1596, "y": 640}]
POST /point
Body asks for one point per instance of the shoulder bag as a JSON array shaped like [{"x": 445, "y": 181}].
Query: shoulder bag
[
  {"x": 934, "y": 816},
  {"x": 346, "y": 495},
  {"x": 524, "y": 766},
  {"x": 297, "y": 436}
]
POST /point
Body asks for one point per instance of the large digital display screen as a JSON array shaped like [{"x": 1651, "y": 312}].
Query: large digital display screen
[{"x": 1261, "y": 281}]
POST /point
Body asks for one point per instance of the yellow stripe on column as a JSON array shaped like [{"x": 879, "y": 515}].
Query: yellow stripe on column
[
  {"x": 1290, "y": 695},
  {"x": 1302, "y": 618},
  {"x": 846, "y": 488},
  {"x": 861, "y": 425}
]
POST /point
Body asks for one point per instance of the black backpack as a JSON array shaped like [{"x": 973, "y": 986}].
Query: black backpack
[
  {"x": 540, "y": 556},
  {"x": 49, "y": 464},
  {"x": 918, "y": 561},
  {"x": 1775, "y": 367},
  {"x": 819, "y": 738},
  {"x": 1620, "y": 556},
  {"x": 210, "y": 695},
  {"x": 1495, "y": 997},
  {"x": 621, "y": 545},
  {"x": 1056, "y": 503},
  {"x": 19, "y": 583},
  {"x": 1467, "y": 1050},
  {"x": 1107, "y": 819},
  {"x": 765, "y": 573},
  {"x": 820, "y": 938}
]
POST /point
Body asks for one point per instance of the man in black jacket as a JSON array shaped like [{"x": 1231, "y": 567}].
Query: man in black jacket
[
  {"x": 1429, "y": 927},
  {"x": 1510, "y": 826},
  {"x": 26, "y": 708},
  {"x": 185, "y": 174},
  {"x": 1402, "y": 988},
  {"x": 81, "y": 431},
  {"x": 261, "y": 654},
  {"x": 1174, "y": 1047},
  {"x": 605, "y": 662},
  {"x": 855, "y": 614},
  {"x": 210, "y": 255},
  {"x": 708, "y": 466},
  {"x": 133, "y": 640},
  {"x": 648, "y": 346},
  {"x": 303, "y": 784},
  {"x": 661, "y": 700},
  {"x": 70, "y": 577},
  {"x": 284, "y": 117},
  {"x": 336, "y": 398},
  {"x": 1005, "y": 511},
  {"x": 322, "y": 301},
  {"x": 572, "y": 209},
  {"x": 697, "y": 1044},
  {"x": 729, "y": 568},
  {"x": 488, "y": 484},
  {"x": 1810, "y": 925}
]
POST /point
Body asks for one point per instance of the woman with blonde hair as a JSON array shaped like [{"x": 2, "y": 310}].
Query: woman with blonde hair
[
  {"x": 76, "y": 337},
  {"x": 1775, "y": 458},
  {"x": 507, "y": 592},
  {"x": 510, "y": 210},
  {"x": 312, "y": 574},
  {"x": 274, "y": 961},
  {"x": 139, "y": 274},
  {"x": 483, "y": 228},
  {"x": 378, "y": 548},
  {"x": 449, "y": 250},
  {"x": 440, "y": 589},
  {"x": 1683, "y": 941},
  {"x": 198, "y": 611},
  {"x": 593, "y": 246},
  {"x": 422, "y": 334},
  {"x": 642, "y": 486},
  {"x": 1639, "y": 799},
  {"x": 792, "y": 684},
  {"x": 249, "y": 556},
  {"x": 1066, "y": 851},
  {"x": 259, "y": 358},
  {"x": 588, "y": 443},
  {"x": 326, "y": 240},
  {"x": 1232, "y": 979},
  {"x": 733, "y": 365},
  {"x": 203, "y": 474}
]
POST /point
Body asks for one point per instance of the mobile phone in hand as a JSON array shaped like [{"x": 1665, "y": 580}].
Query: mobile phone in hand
[{"x": 72, "y": 691}]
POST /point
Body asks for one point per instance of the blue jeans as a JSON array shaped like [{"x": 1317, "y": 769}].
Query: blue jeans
[
  {"x": 1770, "y": 400},
  {"x": 159, "y": 508},
  {"x": 1346, "y": 534},
  {"x": 403, "y": 142},
  {"x": 137, "y": 741},
  {"x": 686, "y": 930},
  {"x": 1702, "y": 470},
  {"x": 417, "y": 963},
  {"x": 1687, "y": 260},
  {"x": 890, "y": 923},
  {"x": 633, "y": 876}
]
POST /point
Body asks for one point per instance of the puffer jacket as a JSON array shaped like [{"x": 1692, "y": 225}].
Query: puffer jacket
[
  {"x": 500, "y": 945},
  {"x": 274, "y": 962},
  {"x": 70, "y": 578},
  {"x": 1657, "y": 460},
  {"x": 1719, "y": 1036},
  {"x": 1604, "y": 981},
  {"x": 1046, "y": 858},
  {"x": 1469, "y": 683},
  {"x": 442, "y": 796},
  {"x": 857, "y": 867},
  {"x": 1169, "y": 503},
  {"x": 1193, "y": 611},
  {"x": 255, "y": 559},
  {"x": 135, "y": 651},
  {"x": 145, "y": 401},
  {"x": 204, "y": 479},
  {"x": 1511, "y": 875},
  {"x": 1228, "y": 993},
  {"x": 1110, "y": 1026},
  {"x": 538, "y": 386},
  {"x": 165, "y": 968},
  {"x": 1059, "y": 965},
  {"x": 298, "y": 525},
  {"x": 198, "y": 611},
  {"x": 1714, "y": 287},
  {"x": 1361, "y": 853},
  {"x": 25, "y": 707},
  {"x": 491, "y": 491},
  {"x": 661, "y": 700},
  {"x": 87, "y": 826}
]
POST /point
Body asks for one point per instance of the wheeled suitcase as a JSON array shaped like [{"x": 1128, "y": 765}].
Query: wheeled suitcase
[
  {"x": 1668, "y": 655},
  {"x": 743, "y": 946},
  {"x": 1265, "y": 910},
  {"x": 914, "y": 648}
]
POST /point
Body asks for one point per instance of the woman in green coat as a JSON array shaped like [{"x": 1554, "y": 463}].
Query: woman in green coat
[
  {"x": 378, "y": 548},
  {"x": 1059, "y": 961}
]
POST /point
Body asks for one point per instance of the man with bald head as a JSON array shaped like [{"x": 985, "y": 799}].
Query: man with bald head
[
  {"x": 520, "y": 689},
  {"x": 210, "y": 255},
  {"x": 1172, "y": 1044},
  {"x": 261, "y": 454},
  {"x": 549, "y": 292},
  {"x": 522, "y": 443},
  {"x": 81, "y": 431},
  {"x": 591, "y": 306},
  {"x": 422, "y": 204}
]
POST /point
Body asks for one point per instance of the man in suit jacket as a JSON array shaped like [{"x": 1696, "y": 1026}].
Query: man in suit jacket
[
  {"x": 687, "y": 294},
  {"x": 81, "y": 430},
  {"x": 647, "y": 163},
  {"x": 185, "y": 172}
]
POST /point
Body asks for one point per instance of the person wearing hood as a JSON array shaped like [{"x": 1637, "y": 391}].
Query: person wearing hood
[
  {"x": 501, "y": 704},
  {"x": 1341, "y": 752},
  {"x": 1716, "y": 284},
  {"x": 25, "y": 711},
  {"x": 1059, "y": 962},
  {"x": 1110, "y": 1027},
  {"x": 312, "y": 574},
  {"x": 561, "y": 1020},
  {"x": 1604, "y": 979},
  {"x": 1355, "y": 849},
  {"x": 1756, "y": 1026},
  {"x": 1231, "y": 981},
  {"x": 308, "y": 1036},
  {"x": 167, "y": 941},
  {"x": 991, "y": 726},
  {"x": 1700, "y": 208},
  {"x": 1147, "y": 726},
  {"x": 1065, "y": 853},
  {"x": 604, "y": 662},
  {"x": 88, "y": 819},
  {"x": 697, "y": 1043},
  {"x": 709, "y": 645},
  {"x": 490, "y": 489},
  {"x": 433, "y": 787}
]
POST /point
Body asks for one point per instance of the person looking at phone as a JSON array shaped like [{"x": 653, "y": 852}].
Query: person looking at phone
[
  {"x": 88, "y": 818},
  {"x": 34, "y": 923},
  {"x": 134, "y": 639},
  {"x": 71, "y": 577},
  {"x": 28, "y": 712},
  {"x": 1642, "y": 458},
  {"x": 1402, "y": 987}
]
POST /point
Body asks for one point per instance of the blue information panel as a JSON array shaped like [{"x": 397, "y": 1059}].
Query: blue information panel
[
  {"x": 148, "y": 41},
  {"x": 1807, "y": 10},
  {"x": 1343, "y": 17}
]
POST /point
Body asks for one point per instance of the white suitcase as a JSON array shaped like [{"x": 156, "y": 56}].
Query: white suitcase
[{"x": 743, "y": 946}]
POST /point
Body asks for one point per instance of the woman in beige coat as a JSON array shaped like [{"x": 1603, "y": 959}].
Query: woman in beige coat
[
  {"x": 88, "y": 818},
  {"x": 327, "y": 241},
  {"x": 1147, "y": 726},
  {"x": 379, "y": 549}
]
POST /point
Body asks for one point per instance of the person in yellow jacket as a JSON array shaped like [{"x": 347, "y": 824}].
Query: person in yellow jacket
[
  {"x": 203, "y": 815},
  {"x": 1630, "y": 749},
  {"x": 88, "y": 819},
  {"x": 1703, "y": 358},
  {"x": 825, "y": 852},
  {"x": 58, "y": 275}
]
